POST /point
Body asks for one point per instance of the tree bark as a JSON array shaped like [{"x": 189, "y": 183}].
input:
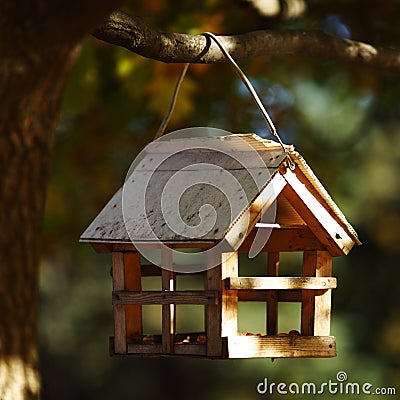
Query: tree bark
[
  {"x": 31, "y": 95},
  {"x": 38, "y": 45},
  {"x": 136, "y": 35}
]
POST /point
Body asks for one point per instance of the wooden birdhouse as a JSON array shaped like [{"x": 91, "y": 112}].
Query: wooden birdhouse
[{"x": 305, "y": 219}]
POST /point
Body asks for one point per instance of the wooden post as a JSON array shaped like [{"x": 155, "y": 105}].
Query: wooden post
[
  {"x": 221, "y": 319},
  {"x": 120, "y": 345},
  {"x": 168, "y": 310},
  {"x": 323, "y": 302},
  {"x": 272, "y": 295},
  {"x": 133, "y": 313},
  {"x": 213, "y": 281},
  {"x": 308, "y": 296},
  {"x": 316, "y": 310},
  {"x": 229, "y": 301}
]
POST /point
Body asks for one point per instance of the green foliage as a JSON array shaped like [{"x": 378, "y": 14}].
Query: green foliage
[{"x": 343, "y": 119}]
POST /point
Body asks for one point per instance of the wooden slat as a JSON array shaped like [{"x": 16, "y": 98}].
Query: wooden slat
[
  {"x": 283, "y": 283},
  {"x": 280, "y": 347},
  {"x": 272, "y": 295},
  {"x": 286, "y": 239},
  {"x": 125, "y": 246},
  {"x": 155, "y": 350},
  {"x": 323, "y": 303},
  {"x": 154, "y": 270},
  {"x": 133, "y": 281},
  {"x": 213, "y": 281},
  {"x": 168, "y": 310},
  {"x": 323, "y": 225},
  {"x": 308, "y": 298},
  {"x": 281, "y": 239},
  {"x": 166, "y": 297},
  {"x": 293, "y": 295},
  {"x": 191, "y": 349},
  {"x": 229, "y": 298},
  {"x": 331, "y": 208},
  {"x": 144, "y": 349},
  {"x": 119, "y": 310}
]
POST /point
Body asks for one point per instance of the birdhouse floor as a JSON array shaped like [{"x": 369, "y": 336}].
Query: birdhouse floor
[{"x": 243, "y": 345}]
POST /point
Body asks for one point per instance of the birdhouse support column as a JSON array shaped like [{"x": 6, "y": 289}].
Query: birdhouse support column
[
  {"x": 221, "y": 319},
  {"x": 126, "y": 273},
  {"x": 316, "y": 304}
]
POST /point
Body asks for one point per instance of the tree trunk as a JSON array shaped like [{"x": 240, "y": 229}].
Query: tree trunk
[
  {"x": 38, "y": 45},
  {"x": 31, "y": 94}
]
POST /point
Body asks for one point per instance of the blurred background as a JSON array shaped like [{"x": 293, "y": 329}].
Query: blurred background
[{"x": 344, "y": 119}]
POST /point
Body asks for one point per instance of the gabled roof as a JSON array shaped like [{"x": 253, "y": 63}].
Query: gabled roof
[{"x": 240, "y": 176}]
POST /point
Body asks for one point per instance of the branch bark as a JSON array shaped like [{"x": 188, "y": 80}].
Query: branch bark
[{"x": 136, "y": 35}]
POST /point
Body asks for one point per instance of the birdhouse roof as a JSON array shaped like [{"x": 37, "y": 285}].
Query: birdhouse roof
[{"x": 208, "y": 189}]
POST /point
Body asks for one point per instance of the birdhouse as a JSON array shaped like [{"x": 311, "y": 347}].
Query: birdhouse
[{"x": 279, "y": 206}]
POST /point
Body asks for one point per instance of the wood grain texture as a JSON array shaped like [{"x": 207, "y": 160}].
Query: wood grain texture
[
  {"x": 328, "y": 231},
  {"x": 323, "y": 302},
  {"x": 282, "y": 347},
  {"x": 308, "y": 296},
  {"x": 229, "y": 297},
  {"x": 119, "y": 310},
  {"x": 133, "y": 281},
  {"x": 293, "y": 295},
  {"x": 213, "y": 317},
  {"x": 282, "y": 283},
  {"x": 166, "y": 297}
]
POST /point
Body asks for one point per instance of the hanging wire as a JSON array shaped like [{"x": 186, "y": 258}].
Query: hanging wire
[
  {"x": 250, "y": 87},
  {"x": 246, "y": 82},
  {"x": 171, "y": 107}
]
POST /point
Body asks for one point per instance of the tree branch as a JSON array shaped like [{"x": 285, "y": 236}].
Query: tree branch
[{"x": 136, "y": 35}]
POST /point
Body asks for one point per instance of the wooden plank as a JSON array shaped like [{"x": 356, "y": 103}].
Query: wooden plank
[
  {"x": 191, "y": 349},
  {"x": 213, "y": 317},
  {"x": 323, "y": 303},
  {"x": 328, "y": 203},
  {"x": 283, "y": 283},
  {"x": 319, "y": 220},
  {"x": 168, "y": 310},
  {"x": 293, "y": 295},
  {"x": 286, "y": 239},
  {"x": 272, "y": 295},
  {"x": 127, "y": 246},
  {"x": 144, "y": 349},
  {"x": 133, "y": 281},
  {"x": 282, "y": 347},
  {"x": 119, "y": 310},
  {"x": 166, "y": 297},
  {"x": 229, "y": 298},
  {"x": 308, "y": 297}
]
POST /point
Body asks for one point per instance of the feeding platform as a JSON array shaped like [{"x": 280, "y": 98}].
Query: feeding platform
[{"x": 305, "y": 220}]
